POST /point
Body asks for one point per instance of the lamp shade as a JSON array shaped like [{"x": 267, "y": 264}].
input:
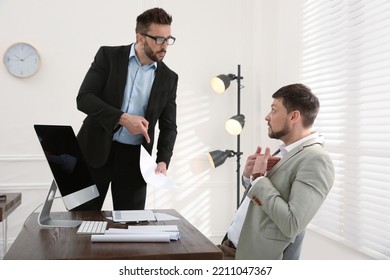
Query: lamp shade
[
  {"x": 235, "y": 124},
  {"x": 221, "y": 82},
  {"x": 218, "y": 157}
]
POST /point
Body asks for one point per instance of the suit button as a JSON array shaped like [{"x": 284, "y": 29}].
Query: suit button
[{"x": 255, "y": 199}]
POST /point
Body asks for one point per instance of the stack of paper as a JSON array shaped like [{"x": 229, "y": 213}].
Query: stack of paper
[
  {"x": 153, "y": 233},
  {"x": 172, "y": 230}
]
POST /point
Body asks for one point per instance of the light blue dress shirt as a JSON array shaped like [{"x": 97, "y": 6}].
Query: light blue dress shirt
[{"x": 136, "y": 96}]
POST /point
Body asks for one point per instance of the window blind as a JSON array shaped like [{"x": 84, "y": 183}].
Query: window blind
[{"x": 346, "y": 62}]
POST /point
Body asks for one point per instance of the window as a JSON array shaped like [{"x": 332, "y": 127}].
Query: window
[{"x": 346, "y": 62}]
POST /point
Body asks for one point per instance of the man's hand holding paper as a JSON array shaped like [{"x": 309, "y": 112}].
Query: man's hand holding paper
[{"x": 154, "y": 174}]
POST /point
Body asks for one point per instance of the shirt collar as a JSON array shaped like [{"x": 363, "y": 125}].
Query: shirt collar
[
  {"x": 132, "y": 54},
  {"x": 299, "y": 142}
]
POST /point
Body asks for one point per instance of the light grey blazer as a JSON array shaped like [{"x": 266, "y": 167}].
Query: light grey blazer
[{"x": 284, "y": 202}]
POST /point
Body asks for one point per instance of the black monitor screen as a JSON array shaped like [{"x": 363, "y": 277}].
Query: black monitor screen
[{"x": 62, "y": 151}]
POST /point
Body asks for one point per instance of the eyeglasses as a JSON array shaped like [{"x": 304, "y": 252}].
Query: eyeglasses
[{"x": 161, "y": 40}]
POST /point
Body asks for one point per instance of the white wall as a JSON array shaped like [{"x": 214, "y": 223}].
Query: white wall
[{"x": 212, "y": 38}]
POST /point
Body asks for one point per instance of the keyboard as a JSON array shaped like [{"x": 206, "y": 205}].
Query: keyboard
[{"x": 92, "y": 227}]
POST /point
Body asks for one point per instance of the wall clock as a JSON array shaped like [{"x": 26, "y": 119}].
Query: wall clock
[{"x": 21, "y": 60}]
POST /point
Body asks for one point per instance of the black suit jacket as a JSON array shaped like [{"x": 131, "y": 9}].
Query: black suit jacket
[{"x": 100, "y": 97}]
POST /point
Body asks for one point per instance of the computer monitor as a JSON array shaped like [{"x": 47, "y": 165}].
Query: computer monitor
[{"x": 71, "y": 175}]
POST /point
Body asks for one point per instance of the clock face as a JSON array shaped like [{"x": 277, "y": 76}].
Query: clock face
[{"x": 21, "y": 60}]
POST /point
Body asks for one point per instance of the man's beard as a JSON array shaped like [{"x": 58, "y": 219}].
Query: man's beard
[
  {"x": 278, "y": 134},
  {"x": 149, "y": 53}
]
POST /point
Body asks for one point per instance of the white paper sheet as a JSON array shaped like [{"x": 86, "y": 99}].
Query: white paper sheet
[
  {"x": 133, "y": 215},
  {"x": 148, "y": 167},
  {"x": 171, "y": 230},
  {"x": 141, "y": 237},
  {"x": 163, "y": 228}
]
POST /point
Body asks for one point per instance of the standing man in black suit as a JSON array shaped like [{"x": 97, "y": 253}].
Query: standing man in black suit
[{"x": 126, "y": 91}]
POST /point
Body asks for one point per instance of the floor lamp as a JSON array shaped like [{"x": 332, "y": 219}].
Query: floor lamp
[{"x": 234, "y": 125}]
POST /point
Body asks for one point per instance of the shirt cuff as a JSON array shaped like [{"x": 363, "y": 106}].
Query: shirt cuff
[
  {"x": 257, "y": 179},
  {"x": 246, "y": 182}
]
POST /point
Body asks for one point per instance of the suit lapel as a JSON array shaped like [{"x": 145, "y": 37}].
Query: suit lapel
[
  {"x": 155, "y": 97},
  {"x": 292, "y": 154},
  {"x": 123, "y": 64}
]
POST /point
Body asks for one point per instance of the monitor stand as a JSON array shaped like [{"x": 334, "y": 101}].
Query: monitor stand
[{"x": 44, "y": 218}]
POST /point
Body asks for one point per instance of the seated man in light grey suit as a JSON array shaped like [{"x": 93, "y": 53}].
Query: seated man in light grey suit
[{"x": 282, "y": 195}]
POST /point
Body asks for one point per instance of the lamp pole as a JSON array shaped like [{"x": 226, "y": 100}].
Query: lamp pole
[
  {"x": 219, "y": 85},
  {"x": 238, "y": 154}
]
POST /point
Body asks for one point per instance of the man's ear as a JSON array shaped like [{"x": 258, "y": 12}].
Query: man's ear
[
  {"x": 139, "y": 37},
  {"x": 295, "y": 116}
]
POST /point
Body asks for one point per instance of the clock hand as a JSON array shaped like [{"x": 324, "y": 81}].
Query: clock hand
[
  {"x": 15, "y": 56},
  {"x": 26, "y": 56}
]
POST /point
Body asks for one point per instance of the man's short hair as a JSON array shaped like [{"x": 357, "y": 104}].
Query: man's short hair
[
  {"x": 155, "y": 15},
  {"x": 299, "y": 97}
]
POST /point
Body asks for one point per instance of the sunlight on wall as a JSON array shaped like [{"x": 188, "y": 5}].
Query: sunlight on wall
[{"x": 190, "y": 168}]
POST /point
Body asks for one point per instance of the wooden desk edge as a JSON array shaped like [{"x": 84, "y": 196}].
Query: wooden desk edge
[{"x": 8, "y": 206}]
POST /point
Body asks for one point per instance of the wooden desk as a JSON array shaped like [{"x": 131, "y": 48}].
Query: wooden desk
[
  {"x": 7, "y": 207},
  {"x": 35, "y": 242}
]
